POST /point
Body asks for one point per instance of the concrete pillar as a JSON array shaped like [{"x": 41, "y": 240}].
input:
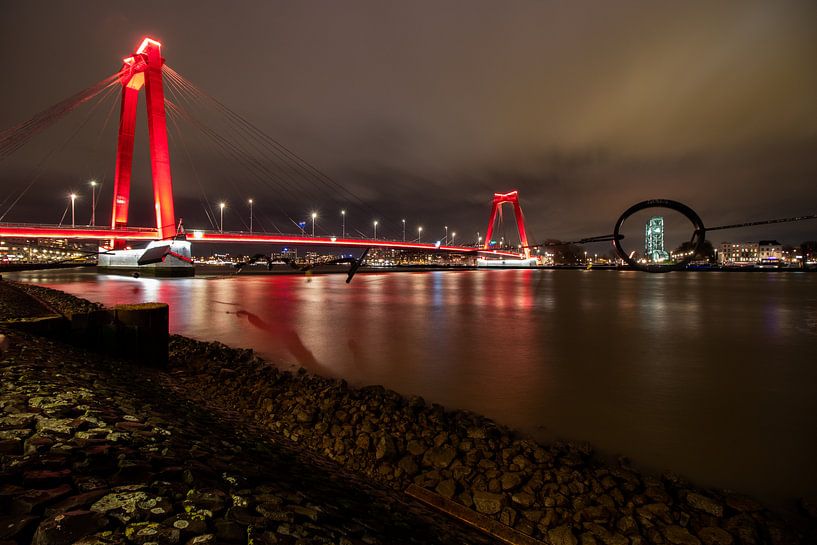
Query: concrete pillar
[{"x": 142, "y": 332}]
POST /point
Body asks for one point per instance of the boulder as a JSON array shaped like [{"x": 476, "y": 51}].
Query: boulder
[
  {"x": 66, "y": 528},
  {"x": 487, "y": 503},
  {"x": 705, "y": 504},
  {"x": 440, "y": 457},
  {"x": 562, "y": 535}
]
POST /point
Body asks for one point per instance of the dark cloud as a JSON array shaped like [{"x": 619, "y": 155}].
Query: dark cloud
[{"x": 423, "y": 109}]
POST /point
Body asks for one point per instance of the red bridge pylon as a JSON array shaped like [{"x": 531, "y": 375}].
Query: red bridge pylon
[
  {"x": 496, "y": 208},
  {"x": 144, "y": 68}
]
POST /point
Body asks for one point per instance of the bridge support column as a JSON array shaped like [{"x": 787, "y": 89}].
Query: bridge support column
[
  {"x": 124, "y": 160},
  {"x": 144, "y": 68},
  {"x": 496, "y": 208}
]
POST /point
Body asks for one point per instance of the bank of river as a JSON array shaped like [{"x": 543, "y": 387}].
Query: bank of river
[{"x": 557, "y": 492}]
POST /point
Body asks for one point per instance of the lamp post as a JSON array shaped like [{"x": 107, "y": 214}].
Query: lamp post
[
  {"x": 343, "y": 223},
  {"x": 446, "y": 234},
  {"x": 453, "y": 236},
  {"x": 93, "y": 203},
  {"x": 375, "y": 229},
  {"x": 250, "y": 201},
  {"x": 314, "y": 216},
  {"x": 419, "y": 233},
  {"x": 73, "y": 199},
  {"x": 221, "y": 206},
  {"x": 404, "y": 230}
]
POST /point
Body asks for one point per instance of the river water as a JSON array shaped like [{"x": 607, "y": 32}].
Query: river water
[{"x": 711, "y": 375}]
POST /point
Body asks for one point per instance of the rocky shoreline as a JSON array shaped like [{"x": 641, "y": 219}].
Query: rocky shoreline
[{"x": 557, "y": 493}]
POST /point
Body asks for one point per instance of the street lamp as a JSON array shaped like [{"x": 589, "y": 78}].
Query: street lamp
[
  {"x": 446, "y": 234},
  {"x": 404, "y": 230},
  {"x": 419, "y": 233},
  {"x": 453, "y": 236},
  {"x": 73, "y": 198},
  {"x": 221, "y": 206},
  {"x": 93, "y": 203},
  {"x": 343, "y": 223},
  {"x": 314, "y": 215},
  {"x": 250, "y": 201},
  {"x": 375, "y": 229}
]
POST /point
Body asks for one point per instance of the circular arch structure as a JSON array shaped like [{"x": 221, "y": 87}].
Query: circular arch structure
[{"x": 697, "y": 240}]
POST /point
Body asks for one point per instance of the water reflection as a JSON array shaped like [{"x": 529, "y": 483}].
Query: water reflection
[{"x": 708, "y": 374}]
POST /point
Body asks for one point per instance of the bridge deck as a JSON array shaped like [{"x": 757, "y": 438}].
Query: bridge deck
[{"x": 147, "y": 234}]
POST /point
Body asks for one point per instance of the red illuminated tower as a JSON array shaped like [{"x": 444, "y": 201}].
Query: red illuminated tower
[
  {"x": 144, "y": 68},
  {"x": 499, "y": 200}
]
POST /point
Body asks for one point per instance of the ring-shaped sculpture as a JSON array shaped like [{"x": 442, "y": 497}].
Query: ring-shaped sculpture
[{"x": 697, "y": 240}]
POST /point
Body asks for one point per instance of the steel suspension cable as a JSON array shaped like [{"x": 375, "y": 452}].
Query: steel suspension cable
[
  {"x": 278, "y": 148},
  {"x": 47, "y": 158},
  {"x": 15, "y": 137},
  {"x": 196, "y": 97}
]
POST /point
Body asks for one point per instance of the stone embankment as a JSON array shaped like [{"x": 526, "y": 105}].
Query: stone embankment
[
  {"x": 96, "y": 451},
  {"x": 557, "y": 493}
]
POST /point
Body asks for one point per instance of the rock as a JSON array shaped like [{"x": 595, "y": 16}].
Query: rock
[
  {"x": 66, "y": 528},
  {"x": 440, "y": 457},
  {"x": 447, "y": 488},
  {"x": 272, "y": 511},
  {"x": 507, "y": 516},
  {"x": 14, "y": 526},
  {"x": 522, "y": 499},
  {"x": 33, "y": 500},
  {"x": 705, "y": 504},
  {"x": 143, "y": 533},
  {"x": 408, "y": 465},
  {"x": 302, "y": 511},
  {"x": 57, "y": 426},
  {"x": 120, "y": 505},
  {"x": 679, "y": 536},
  {"x": 487, "y": 503},
  {"x": 211, "y": 500},
  {"x": 713, "y": 535},
  {"x": 510, "y": 481},
  {"x": 227, "y": 530},
  {"x": 742, "y": 504},
  {"x": 204, "y": 539},
  {"x": 385, "y": 448},
  {"x": 562, "y": 535},
  {"x": 415, "y": 447}
]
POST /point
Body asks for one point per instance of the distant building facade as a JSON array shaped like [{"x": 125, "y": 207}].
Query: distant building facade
[{"x": 750, "y": 253}]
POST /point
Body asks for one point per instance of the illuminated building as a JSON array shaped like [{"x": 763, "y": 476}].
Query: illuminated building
[
  {"x": 750, "y": 253},
  {"x": 654, "y": 240}
]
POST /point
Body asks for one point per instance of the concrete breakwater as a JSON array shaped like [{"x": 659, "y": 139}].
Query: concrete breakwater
[{"x": 557, "y": 493}]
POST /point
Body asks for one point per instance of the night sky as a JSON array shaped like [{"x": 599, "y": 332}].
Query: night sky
[{"x": 424, "y": 109}]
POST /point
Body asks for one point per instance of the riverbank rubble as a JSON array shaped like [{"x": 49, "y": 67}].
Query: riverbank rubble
[{"x": 148, "y": 439}]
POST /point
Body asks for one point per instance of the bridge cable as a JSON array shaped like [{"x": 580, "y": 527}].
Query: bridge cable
[
  {"x": 231, "y": 148},
  {"x": 280, "y": 174},
  {"x": 46, "y": 159},
  {"x": 15, "y": 137},
  {"x": 226, "y": 147},
  {"x": 295, "y": 161}
]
